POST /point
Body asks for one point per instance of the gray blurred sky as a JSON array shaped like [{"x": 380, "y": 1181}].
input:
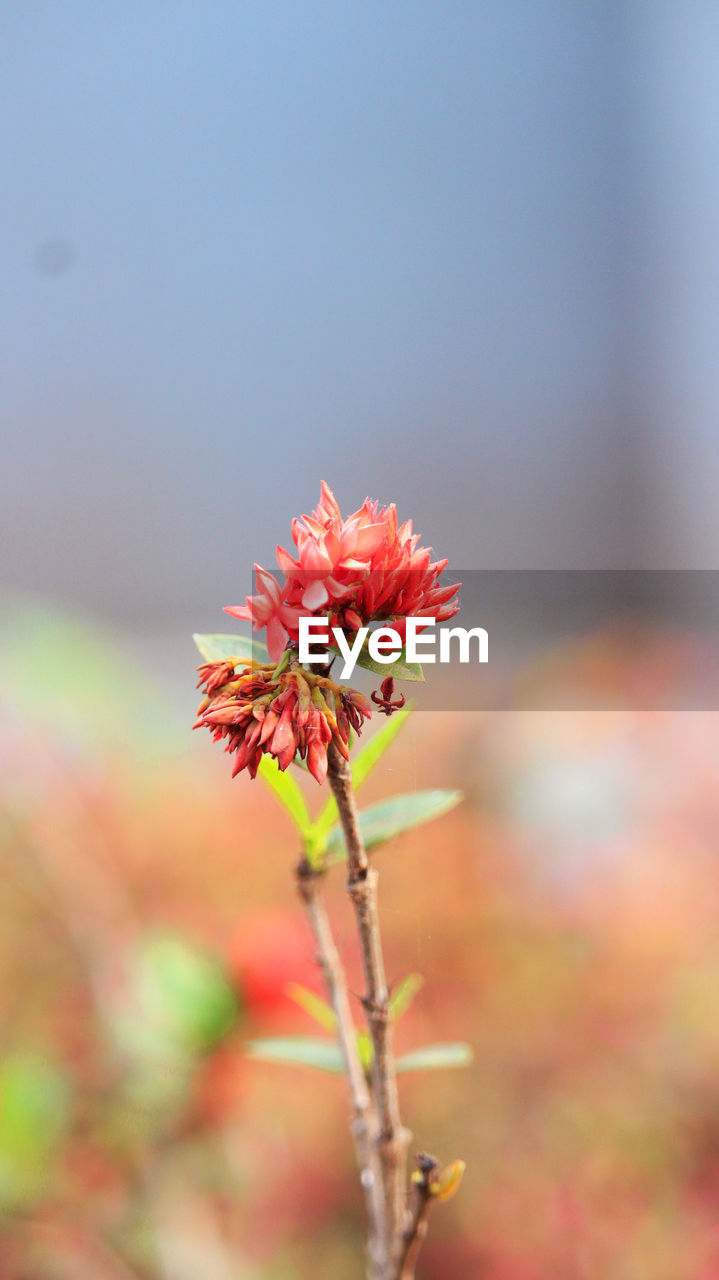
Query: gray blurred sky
[{"x": 432, "y": 252}]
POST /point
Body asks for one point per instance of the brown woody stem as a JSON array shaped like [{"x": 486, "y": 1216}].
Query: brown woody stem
[
  {"x": 392, "y": 1139},
  {"x": 364, "y": 1123},
  {"x": 416, "y": 1222}
]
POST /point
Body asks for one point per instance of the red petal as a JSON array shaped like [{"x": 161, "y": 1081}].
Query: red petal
[
  {"x": 268, "y": 585},
  {"x": 368, "y": 540},
  {"x": 315, "y": 595},
  {"x": 276, "y": 639},
  {"x": 287, "y": 564}
]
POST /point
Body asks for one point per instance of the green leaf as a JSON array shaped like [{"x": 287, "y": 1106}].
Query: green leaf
[
  {"x": 434, "y": 1056},
  {"x": 404, "y": 993},
  {"x": 380, "y": 822},
  {"x": 299, "y": 1051},
  {"x": 287, "y": 791},
  {"x": 401, "y": 669},
  {"x": 312, "y": 1004},
  {"x": 317, "y": 843},
  {"x": 215, "y": 648},
  {"x": 365, "y": 1049},
  {"x": 363, "y": 762}
]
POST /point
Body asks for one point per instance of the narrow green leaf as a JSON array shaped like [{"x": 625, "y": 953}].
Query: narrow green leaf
[
  {"x": 300, "y": 1051},
  {"x": 401, "y": 669},
  {"x": 287, "y": 791},
  {"x": 435, "y": 1056},
  {"x": 404, "y": 993},
  {"x": 322, "y": 827},
  {"x": 214, "y": 648},
  {"x": 380, "y": 822},
  {"x": 363, "y": 762},
  {"x": 365, "y": 1049},
  {"x": 312, "y": 1004}
]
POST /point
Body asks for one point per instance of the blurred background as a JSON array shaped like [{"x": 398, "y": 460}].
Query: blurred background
[{"x": 460, "y": 256}]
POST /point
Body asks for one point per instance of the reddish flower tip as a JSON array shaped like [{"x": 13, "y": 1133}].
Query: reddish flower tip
[{"x": 382, "y": 698}]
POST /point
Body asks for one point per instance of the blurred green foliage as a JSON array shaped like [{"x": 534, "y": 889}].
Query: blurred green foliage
[
  {"x": 184, "y": 1000},
  {"x": 35, "y": 1100},
  {"x": 74, "y": 678}
]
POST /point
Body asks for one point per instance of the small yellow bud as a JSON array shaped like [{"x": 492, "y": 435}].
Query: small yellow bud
[{"x": 444, "y": 1186}]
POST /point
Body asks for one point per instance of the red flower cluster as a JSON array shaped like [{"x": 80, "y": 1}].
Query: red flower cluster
[
  {"x": 355, "y": 571},
  {"x": 285, "y": 711}
]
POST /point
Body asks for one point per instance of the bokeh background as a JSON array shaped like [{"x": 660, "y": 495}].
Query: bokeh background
[{"x": 461, "y": 256}]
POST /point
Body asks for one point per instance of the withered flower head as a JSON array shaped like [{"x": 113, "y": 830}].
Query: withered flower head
[{"x": 284, "y": 710}]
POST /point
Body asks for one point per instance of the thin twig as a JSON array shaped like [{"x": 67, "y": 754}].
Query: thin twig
[
  {"x": 392, "y": 1138},
  {"x": 416, "y": 1222},
  {"x": 364, "y": 1124}
]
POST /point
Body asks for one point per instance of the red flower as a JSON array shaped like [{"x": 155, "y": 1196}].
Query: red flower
[
  {"x": 356, "y": 571},
  {"x": 264, "y": 955},
  {"x": 333, "y": 554},
  {"x": 402, "y": 581}
]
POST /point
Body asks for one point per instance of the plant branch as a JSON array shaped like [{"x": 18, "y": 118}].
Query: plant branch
[
  {"x": 416, "y": 1221},
  {"x": 392, "y": 1139},
  {"x": 364, "y": 1124}
]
